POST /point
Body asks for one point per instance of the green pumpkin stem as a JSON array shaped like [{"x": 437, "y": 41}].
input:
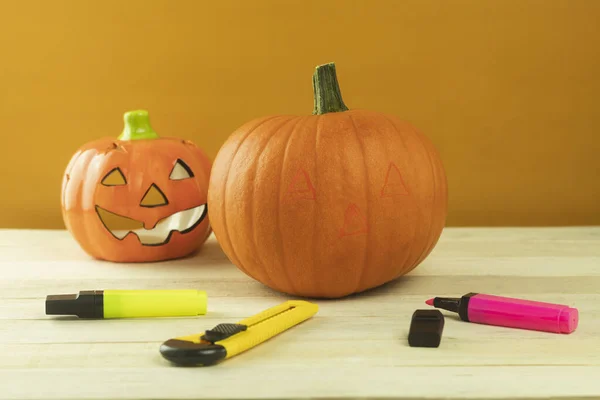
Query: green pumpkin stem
[
  {"x": 137, "y": 126},
  {"x": 327, "y": 94}
]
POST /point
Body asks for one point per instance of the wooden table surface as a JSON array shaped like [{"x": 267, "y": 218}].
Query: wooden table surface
[{"x": 355, "y": 347}]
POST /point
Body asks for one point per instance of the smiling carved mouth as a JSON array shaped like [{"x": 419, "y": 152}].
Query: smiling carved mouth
[{"x": 181, "y": 221}]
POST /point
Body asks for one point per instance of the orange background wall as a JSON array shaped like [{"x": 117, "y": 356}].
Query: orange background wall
[{"x": 509, "y": 91}]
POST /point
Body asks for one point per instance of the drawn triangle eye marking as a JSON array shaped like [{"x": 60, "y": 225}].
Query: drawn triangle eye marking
[
  {"x": 393, "y": 184},
  {"x": 301, "y": 186},
  {"x": 355, "y": 222}
]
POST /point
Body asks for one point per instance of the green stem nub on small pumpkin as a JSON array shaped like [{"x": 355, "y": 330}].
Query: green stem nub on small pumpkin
[
  {"x": 327, "y": 94},
  {"x": 137, "y": 126}
]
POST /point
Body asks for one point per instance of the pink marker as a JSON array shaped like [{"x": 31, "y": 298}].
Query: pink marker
[{"x": 514, "y": 313}]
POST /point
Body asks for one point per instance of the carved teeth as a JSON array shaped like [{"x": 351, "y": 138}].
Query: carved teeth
[{"x": 181, "y": 221}]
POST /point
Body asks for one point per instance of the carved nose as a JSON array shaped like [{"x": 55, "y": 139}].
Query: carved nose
[{"x": 154, "y": 197}]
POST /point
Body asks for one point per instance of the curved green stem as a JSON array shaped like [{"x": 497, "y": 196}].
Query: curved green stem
[
  {"x": 137, "y": 126},
  {"x": 327, "y": 94}
]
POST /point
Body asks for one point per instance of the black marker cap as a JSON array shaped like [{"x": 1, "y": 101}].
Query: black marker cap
[
  {"x": 426, "y": 328},
  {"x": 85, "y": 304}
]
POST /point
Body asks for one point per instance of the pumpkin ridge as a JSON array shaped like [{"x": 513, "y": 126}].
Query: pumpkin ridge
[
  {"x": 407, "y": 257},
  {"x": 83, "y": 220},
  {"x": 437, "y": 175},
  {"x": 423, "y": 251},
  {"x": 434, "y": 179},
  {"x": 278, "y": 203},
  {"x": 252, "y": 202},
  {"x": 401, "y": 264},
  {"x": 443, "y": 181},
  {"x": 68, "y": 187},
  {"x": 205, "y": 175},
  {"x": 67, "y": 177},
  {"x": 236, "y": 260},
  {"x": 88, "y": 227},
  {"x": 316, "y": 220},
  {"x": 366, "y": 209}
]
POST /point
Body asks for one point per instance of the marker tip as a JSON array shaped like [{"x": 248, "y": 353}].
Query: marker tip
[{"x": 429, "y": 302}]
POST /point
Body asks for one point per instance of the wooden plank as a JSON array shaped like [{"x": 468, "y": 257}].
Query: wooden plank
[
  {"x": 385, "y": 345},
  {"x": 238, "y": 380}
]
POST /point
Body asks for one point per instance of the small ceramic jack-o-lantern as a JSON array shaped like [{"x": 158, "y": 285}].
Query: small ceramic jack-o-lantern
[{"x": 139, "y": 197}]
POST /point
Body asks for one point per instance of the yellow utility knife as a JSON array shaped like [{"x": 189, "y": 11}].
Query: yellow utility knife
[{"x": 227, "y": 340}]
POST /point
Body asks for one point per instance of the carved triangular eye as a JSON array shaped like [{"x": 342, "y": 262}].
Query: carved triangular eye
[
  {"x": 181, "y": 171},
  {"x": 114, "y": 178}
]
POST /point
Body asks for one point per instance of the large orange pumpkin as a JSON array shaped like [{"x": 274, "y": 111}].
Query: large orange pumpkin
[
  {"x": 329, "y": 204},
  {"x": 137, "y": 198}
]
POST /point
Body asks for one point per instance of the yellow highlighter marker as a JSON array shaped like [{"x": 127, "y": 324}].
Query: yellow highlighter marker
[
  {"x": 227, "y": 340},
  {"x": 128, "y": 303}
]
